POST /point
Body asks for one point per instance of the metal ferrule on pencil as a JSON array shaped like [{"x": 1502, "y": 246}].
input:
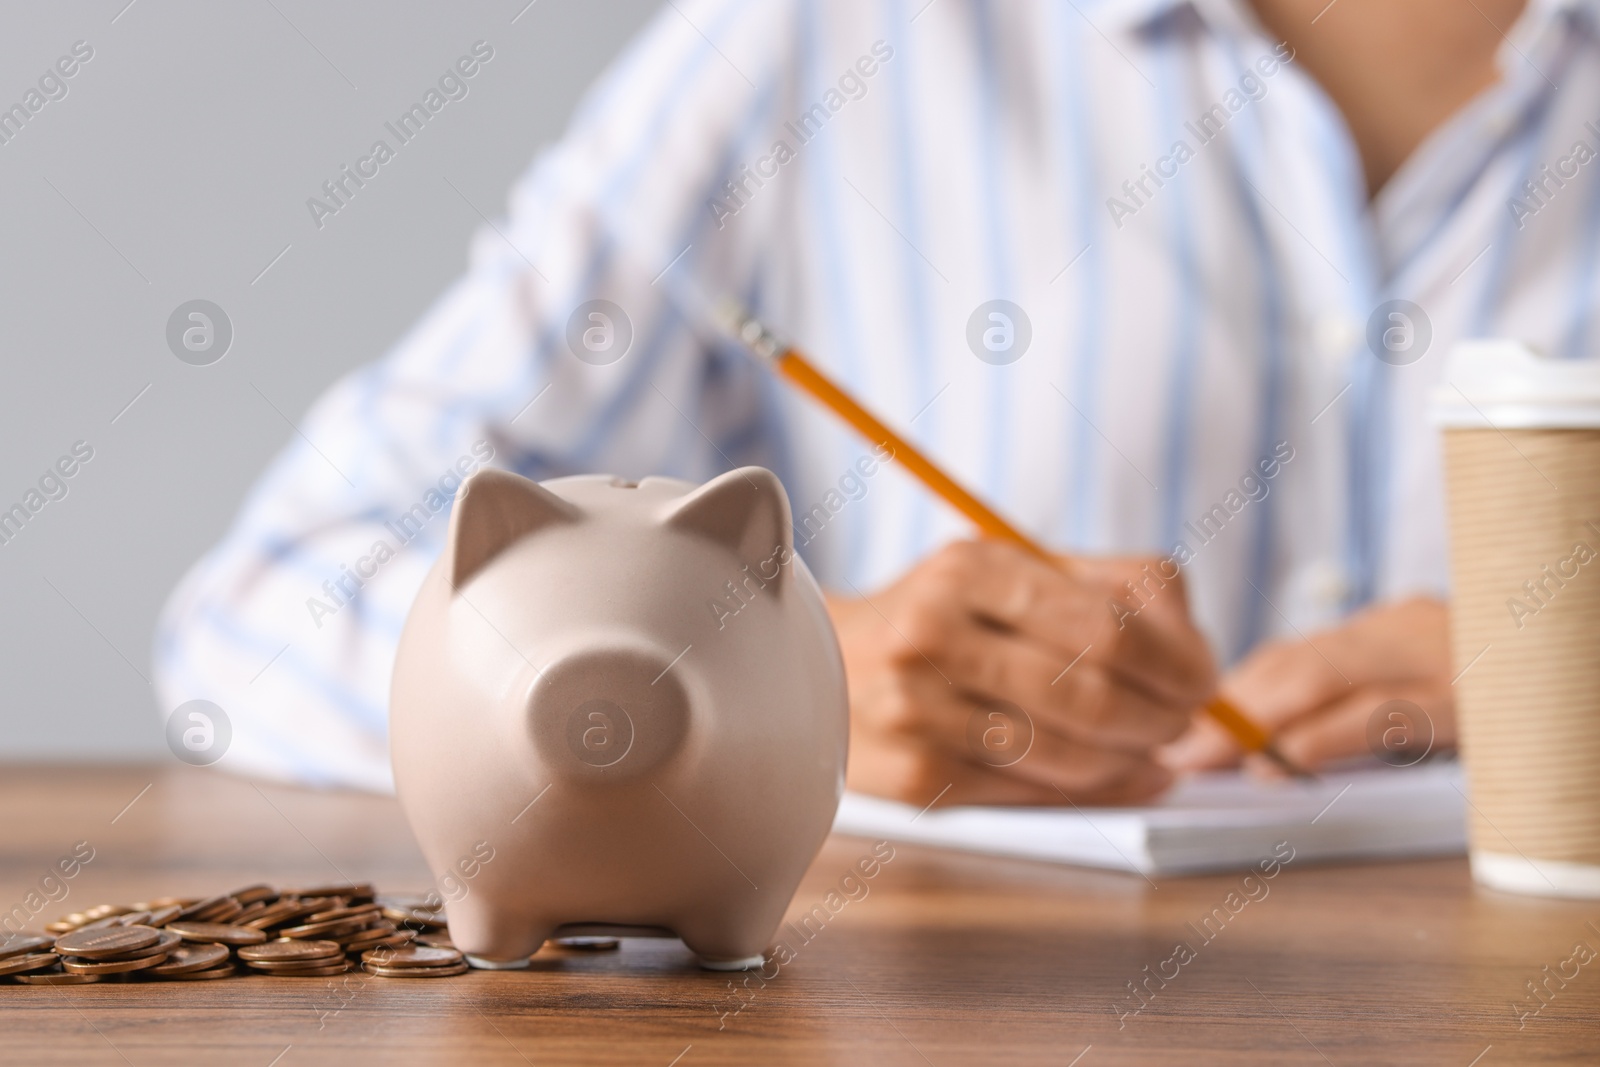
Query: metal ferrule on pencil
[{"x": 749, "y": 330}]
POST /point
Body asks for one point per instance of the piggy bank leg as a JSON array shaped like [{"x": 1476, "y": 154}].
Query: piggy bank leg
[
  {"x": 484, "y": 963},
  {"x": 493, "y": 939},
  {"x": 726, "y": 940},
  {"x": 743, "y": 963}
]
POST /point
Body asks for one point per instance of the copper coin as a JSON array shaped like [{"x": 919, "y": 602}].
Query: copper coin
[
  {"x": 272, "y": 915},
  {"x": 102, "y": 923},
  {"x": 161, "y": 916},
  {"x": 415, "y": 916},
  {"x": 254, "y": 894},
  {"x": 55, "y": 978},
  {"x": 286, "y": 910},
  {"x": 589, "y": 944},
  {"x": 187, "y": 958},
  {"x": 290, "y": 951},
  {"x": 226, "y": 911},
  {"x": 398, "y": 939},
  {"x": 199, "y": 906},
  {"x": 416, "y": 972},
  {"x": 107, "y": 941},
  {"x": 133, "y": 918},
  {"x": 336, "y": 928},
  {"x": 359, "y": 911},
  {"x": 251, "y": 911},
  {"x": 356, "y": 940},
  {"x": 358, "y": 892},
  {"x": 414, "y": 956},
  {"x": 167, "y": 942},
  {"x": 33, "y": 961},
  {"x": 369, "y": 937},
  {"x": 21, "y": 943},
  {"x": 295, "y": 966},
  {"x": 227, "y": 971},
  {"x": 426, "y": 905},
  {"x": 61, "y": 926},
  {"x": 305, "y": 970},
  {"x": 217, "y": 933},
  {"x": 83, "y": 966},
  {"x": 436, "y": 940}
]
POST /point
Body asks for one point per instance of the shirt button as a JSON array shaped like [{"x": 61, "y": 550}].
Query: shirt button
[
  {"x": 1500, "y": 123},
  {"x": 1335, "y": 335},
  {"x": 1327, "y": 584}
]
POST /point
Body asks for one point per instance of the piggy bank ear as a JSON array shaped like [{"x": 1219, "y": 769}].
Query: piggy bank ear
[
  {"x": 495, "y": 508},
  {"x": 745, "y": 510}
]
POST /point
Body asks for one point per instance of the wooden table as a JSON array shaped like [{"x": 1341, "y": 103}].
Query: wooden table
[{"x": 950, "y": 959}]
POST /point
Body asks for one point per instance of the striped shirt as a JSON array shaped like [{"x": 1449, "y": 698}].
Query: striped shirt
[{"x": 1198, "y": 293}]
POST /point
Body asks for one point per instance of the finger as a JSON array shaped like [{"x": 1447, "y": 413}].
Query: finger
[
  {"x": 1205, "y": 746},
  {"x": 918, "y": 708},
  {"x": 1165, "y": 655},
  {"x": 1391, "y": 643},
  {"x": 1071, "y": 614},
  {"x": 1079, "y": 700},
  {"x": 1027, "y": 751},
  {"x": 1285, "y": 681},
  {"x": 922, "y": 775},
  {"x": 1145, "y": 783},
  {"x": 1006, "y": 585},
  {"x": 1101, "y": 709},
  {"x": 1345, "y": 728},
  {"x": 1335, "y": 731},
  {"x": 1147, "y": 601}
]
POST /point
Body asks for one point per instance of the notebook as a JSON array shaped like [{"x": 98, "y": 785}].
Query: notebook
[{"x": 1215, "y": 821}]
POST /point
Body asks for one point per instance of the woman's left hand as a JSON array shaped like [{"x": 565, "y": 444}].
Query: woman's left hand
[{"x": 1320, "y": 698}]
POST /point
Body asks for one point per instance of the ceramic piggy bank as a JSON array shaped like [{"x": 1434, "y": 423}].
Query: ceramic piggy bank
[{"x": 630, "y": 697}]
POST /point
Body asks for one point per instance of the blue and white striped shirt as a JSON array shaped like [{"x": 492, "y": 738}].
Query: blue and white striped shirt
[{"x": 1176, "y": 207}]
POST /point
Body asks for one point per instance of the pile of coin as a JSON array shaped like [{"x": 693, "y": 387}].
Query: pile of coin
[{"x": 303, "y": 933}]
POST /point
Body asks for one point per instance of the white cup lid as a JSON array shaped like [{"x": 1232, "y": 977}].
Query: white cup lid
[{"x": 1508, "y": 385}]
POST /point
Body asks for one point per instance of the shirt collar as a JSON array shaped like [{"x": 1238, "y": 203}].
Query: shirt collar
[
  {"x": 1540, "y": 15},
  {"x": 1136, "y": 15},
  {"x": 1131, "y": 15},
  {"x": 1586, "y": 10}
]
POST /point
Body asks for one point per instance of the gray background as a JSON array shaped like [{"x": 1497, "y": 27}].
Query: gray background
[{"x": 181, "y": 159}]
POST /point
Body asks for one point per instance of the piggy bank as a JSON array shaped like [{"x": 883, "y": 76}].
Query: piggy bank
[{"x": 618, "y": 708}]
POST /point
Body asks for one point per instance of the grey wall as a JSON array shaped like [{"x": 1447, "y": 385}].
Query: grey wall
[{"x": 177, "y": 166}]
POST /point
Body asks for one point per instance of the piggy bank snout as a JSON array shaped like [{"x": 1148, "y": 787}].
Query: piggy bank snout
[{"x": 608, "y": 713}]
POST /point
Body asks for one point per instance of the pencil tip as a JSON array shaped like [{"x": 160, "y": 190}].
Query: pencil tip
[{"x": 1294, "y": 770}]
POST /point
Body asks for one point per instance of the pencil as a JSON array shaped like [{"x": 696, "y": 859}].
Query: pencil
[{"x": 787, "y": 361}]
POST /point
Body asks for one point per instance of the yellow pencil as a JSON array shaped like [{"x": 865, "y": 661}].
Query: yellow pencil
[{"x": 787, "y": 361}]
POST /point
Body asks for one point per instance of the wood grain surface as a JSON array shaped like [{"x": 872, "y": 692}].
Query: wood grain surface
[{"x": 949, "y": 958}]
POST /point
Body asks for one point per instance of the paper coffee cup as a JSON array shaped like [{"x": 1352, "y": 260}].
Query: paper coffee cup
[{"x": 1522, "y": 460}]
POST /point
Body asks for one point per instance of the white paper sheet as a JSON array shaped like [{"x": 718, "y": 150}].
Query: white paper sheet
[{"x": 1208, "y": 822}]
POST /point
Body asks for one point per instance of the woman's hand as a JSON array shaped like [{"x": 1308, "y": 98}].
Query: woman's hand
[
  {"x": 1320, "y": 697},
  {"x": 987, "y": 676}
]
